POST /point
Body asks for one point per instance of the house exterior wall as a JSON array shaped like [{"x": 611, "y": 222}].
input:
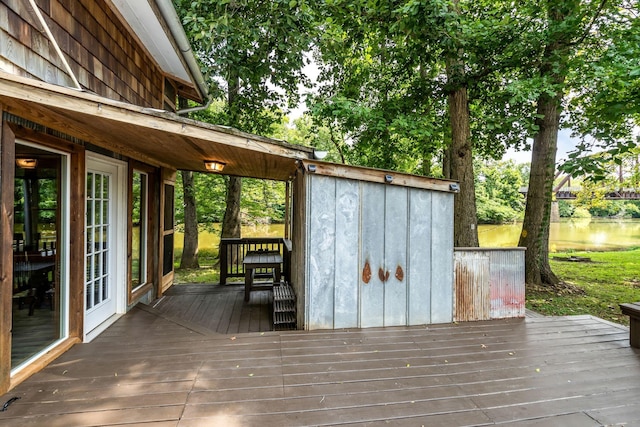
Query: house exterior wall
[
  {"x": 103, "y": 55},
  {"x": 376, "y": 254},
  {"x": 109, "y": 61}
]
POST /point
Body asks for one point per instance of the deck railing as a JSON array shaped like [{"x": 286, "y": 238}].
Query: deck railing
[{"x": 232, "y": 252}]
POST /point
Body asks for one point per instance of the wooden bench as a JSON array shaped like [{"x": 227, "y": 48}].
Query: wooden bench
[{"x": 633, "y": 311}]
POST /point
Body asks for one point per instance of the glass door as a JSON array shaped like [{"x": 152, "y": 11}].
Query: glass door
[
  {"x": 39, "y": 245},
  {"x": 103, "y": 233}
]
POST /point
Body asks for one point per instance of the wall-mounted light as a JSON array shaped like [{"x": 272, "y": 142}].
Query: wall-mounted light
[
  {"x": 454, "y": 187},
  {"x": 388, "y": 179},
  {"x": 319, "y": 155},
  {"x": 27, "y": 163},
  {"x": 214, "y": 165},
  {"x": 311, "y": 168}
]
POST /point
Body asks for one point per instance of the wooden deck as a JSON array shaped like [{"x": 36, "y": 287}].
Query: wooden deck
[
  {"x": 221, "y": 309},
  {"x": 151, "y": 370}
]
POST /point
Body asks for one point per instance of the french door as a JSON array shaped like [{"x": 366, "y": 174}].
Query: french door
[{"x": 105, "y": 234}]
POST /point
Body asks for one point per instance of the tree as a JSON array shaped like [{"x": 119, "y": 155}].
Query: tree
[
  {"x": 189, "y": 257},
  {"x": 569, "y": 23},
  {"x": 254, "y": 52},
  {"x": 409, "y": 81}
]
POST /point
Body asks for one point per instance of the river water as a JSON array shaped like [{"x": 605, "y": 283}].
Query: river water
[
  {"x": 579, "y": 234},
  {"x": 582, "y": 234}
]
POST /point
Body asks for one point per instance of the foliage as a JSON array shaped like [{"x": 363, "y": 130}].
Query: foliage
[
  {"x": 610, "y": 279},
  {"x": 565, "y": 209},
  {"x": 604, "y": 108},
  {"x": 262, "y": 200},
  {"x": 384, "y": 88},
  {"x": 498, "y": 191},
  {"x": 254, "y": 54}
]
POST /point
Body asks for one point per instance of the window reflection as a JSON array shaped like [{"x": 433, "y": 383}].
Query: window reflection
[
  {"x": 36, "y": 282},
  {"x": 139, "y": 230}
]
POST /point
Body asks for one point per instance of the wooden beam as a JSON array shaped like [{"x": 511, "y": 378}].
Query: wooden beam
[
  {"x": 375, "y": 175},
  {"x": 73, "y": 111},
  {"x": 7, "y": 172}
]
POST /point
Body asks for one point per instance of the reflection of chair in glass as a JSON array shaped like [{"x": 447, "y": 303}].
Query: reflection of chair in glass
[
  {"x": 18, "y": 242},
  {"x": 33, "y": 280}
]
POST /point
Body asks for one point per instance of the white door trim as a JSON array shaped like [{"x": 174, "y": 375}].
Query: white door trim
[{"x": 117, "y": 239}]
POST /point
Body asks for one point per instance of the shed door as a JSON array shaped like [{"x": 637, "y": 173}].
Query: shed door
[
  {"x": 384, "y": 256},
  {"x": 104, "y": 237}
]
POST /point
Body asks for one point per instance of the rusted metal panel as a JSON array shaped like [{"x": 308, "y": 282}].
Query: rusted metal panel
[
  {"x": 372, "y": 253},
  {"x": 507, "y": 283},
  {"x": 395, "y": 255},
  {"x": 321, "y": 256},
  {"x": 346, "y": 286},
  {"x": 471, "y": 272},
  {"x": 489, "y": 283},
  {"x": 418, "y": 271},
  {"x": 442, "y": 258}
]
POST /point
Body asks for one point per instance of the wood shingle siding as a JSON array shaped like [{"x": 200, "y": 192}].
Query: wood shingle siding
[{"x": 103, "y": 54}]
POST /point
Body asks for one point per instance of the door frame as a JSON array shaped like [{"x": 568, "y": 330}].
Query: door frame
[{"x": 118, "y": 249}]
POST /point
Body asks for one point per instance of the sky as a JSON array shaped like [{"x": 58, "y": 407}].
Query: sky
[{"x": 565, "y": 144}]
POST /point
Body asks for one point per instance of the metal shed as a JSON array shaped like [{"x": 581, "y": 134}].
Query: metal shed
[{"x": 372, "y": 248}]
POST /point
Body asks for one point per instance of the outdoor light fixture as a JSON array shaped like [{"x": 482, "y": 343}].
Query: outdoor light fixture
[
  {"x": 388, "y": 179},
  {"x": 319, "y": 155},
  {"x": 454, "y": 187},
  {"x": 312, "y": 168},
  {"x": 214, "y": 165},
  {"x": 27, "y": 163}
]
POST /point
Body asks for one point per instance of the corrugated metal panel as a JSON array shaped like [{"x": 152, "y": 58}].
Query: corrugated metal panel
[
  {"x": 489, "y": 283},
  {"x": 507, "y": 283},
  {"x": 472, "y": 286}
]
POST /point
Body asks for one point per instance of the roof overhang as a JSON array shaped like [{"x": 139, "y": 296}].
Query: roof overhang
[
  {"x": 156, "y": 24},
  {"x": 155, "y": 137}
]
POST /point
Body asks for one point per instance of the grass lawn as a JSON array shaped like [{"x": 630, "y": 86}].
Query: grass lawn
[
  {"x": 209, "y": 272},
  {"x": 610, "y": 278}
]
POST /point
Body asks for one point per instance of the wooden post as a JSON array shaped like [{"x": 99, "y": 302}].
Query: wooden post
[
  {"x": 77, "y": 209},
  {"x": 223, "y": 262},
  {"x": 633, "y": 311},
  {"x": 7, "y": 172}
]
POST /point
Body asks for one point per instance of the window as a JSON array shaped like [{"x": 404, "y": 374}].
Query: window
[{"x": 139, "y": 230}]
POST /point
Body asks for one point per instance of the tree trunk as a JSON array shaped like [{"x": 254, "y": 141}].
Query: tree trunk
[
  {"x": 189, "y": 257},
  {"x": 231, "y": 220},
  {"x": 465, "y": 221},
  {"x": 465, "y": 229},
  {"x": 535, "y": 228}
]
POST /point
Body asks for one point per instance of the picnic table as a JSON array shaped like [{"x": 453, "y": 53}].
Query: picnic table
[{"x": 254, "y": 260}]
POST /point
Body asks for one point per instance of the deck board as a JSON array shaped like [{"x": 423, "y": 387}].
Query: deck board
[
  {"x": 150, "y": 368},
  {"x": 221, "y": 309}
]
